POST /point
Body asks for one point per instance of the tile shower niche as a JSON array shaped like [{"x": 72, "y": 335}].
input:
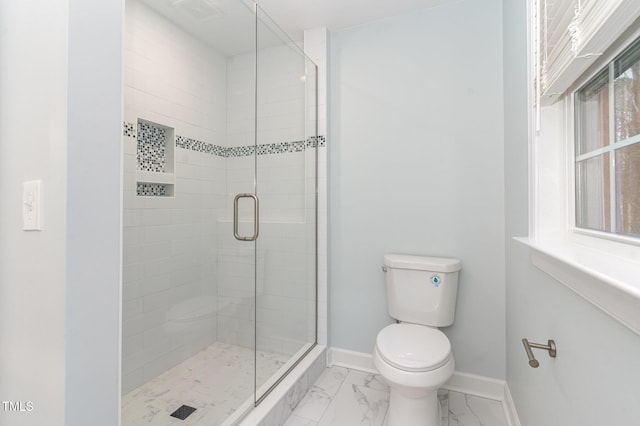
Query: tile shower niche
[{"x": 156, "y": 160}]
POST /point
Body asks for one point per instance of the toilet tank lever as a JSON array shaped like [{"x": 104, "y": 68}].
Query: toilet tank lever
[
  {"x": 384, "y": 268},
  {"x": 550, "y": 347}
]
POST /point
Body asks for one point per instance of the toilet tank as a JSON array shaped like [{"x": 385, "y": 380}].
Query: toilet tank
[{"x": 422, "y": 290}]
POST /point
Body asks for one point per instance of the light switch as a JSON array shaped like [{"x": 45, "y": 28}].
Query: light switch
[{"x": 31, "y": 205}]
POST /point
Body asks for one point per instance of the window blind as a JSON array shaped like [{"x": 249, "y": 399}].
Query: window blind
[{"x": 571, "y": 34}]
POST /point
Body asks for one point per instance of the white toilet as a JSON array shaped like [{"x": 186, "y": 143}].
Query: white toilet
[{"x": 413, "y": 355}]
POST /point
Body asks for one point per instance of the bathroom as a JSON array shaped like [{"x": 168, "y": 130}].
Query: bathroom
[{"x": 426, "y": 153}]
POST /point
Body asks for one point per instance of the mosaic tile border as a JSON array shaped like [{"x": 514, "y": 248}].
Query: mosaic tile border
[
  {"x": 199, "y": 146},
  {"x": 129, "y": 130}
]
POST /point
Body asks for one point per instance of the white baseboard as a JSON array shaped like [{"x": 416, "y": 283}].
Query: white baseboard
[
  {"x": 510, "y": 408},
  {"x": 350, "y": 359},
  {"x": 471, "y": 384}
]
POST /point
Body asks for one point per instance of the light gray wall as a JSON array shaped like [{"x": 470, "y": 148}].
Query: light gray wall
[
  {"x": 594, "y": 380},
  {"x": 60, "y": 121},
  {"x": 416, "y": 166},
  {"x": 94, "y": 213},
  {"x": 32, "y": 264}
]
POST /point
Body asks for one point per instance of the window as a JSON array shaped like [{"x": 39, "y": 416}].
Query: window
[
  {"x": 584, "y": 150},
  {"x": 607, "y": 148}
]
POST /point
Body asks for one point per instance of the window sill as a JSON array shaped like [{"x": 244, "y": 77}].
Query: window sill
[{"x": 610, "y": 282}]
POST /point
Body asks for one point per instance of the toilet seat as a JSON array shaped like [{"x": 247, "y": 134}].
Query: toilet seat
[{"x": 412, "y": 347}]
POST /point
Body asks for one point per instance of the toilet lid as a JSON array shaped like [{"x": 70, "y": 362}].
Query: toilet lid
[{"x": 412, "y": 347}]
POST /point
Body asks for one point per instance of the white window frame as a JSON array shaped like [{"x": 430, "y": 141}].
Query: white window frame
[
  {"x": 603, "y": 268},
  {"x": 611, "y": 148},
  {"x": 621, "y": 245}
]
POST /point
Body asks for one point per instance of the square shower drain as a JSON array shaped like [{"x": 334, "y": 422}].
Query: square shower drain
[{"x": 183, "y": 412}]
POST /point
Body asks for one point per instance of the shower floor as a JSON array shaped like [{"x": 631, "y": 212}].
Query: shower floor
[{"x": 215, "y": 381}]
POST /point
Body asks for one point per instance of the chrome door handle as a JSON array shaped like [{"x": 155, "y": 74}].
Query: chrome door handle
[{"x": 256, "y": 209}]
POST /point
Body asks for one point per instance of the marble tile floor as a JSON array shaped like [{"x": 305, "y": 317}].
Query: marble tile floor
[
  {"x": 215, "y": 381},
  {"x": 346, "y": 397}
]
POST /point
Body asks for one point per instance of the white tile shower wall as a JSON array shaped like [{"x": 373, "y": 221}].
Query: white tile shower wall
[
  {"x": 172, "y": 78},
  {"x": 285, "y": 252},
  {"x": 170, "y": 273},
  {"x": 281, "y": 94},
  {"x": 315, "y": 47},
  {"x": 285, "y": 273},
  {"x": 280, "y": 97},
  {"x": 281, "y": 185},
  {"x": 241, "y": 87},
  {"x": 284, "y": 184},
  {"x": 286, "y": 296}
]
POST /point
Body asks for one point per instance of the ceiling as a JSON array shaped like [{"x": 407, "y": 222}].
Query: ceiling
[
  {"x": 228, "y": 25},
  {"x": 294, "y": 16}
]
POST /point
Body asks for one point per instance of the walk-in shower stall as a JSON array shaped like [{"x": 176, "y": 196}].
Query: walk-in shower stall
[{"x": 219, "y": 275}]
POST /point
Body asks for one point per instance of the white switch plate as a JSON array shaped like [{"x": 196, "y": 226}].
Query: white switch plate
[{"x": 31, "y": 208}]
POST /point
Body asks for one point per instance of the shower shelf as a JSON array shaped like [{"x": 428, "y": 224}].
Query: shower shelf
[
  {"x": 156, "y": 160},
  {"x": 155, "y": 177}
]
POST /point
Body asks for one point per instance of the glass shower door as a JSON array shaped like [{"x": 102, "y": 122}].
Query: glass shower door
[
  {"x": 219, "y": 268},
  {"x": 239, "y": 229},
  {"x": 286, "y": 184},
  {"x": 188, "y": 308}
]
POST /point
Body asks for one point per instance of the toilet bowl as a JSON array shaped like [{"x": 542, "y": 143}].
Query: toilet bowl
[
  {"x": 413, "y": 355},
  {"x": 416, "y": 361}
]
